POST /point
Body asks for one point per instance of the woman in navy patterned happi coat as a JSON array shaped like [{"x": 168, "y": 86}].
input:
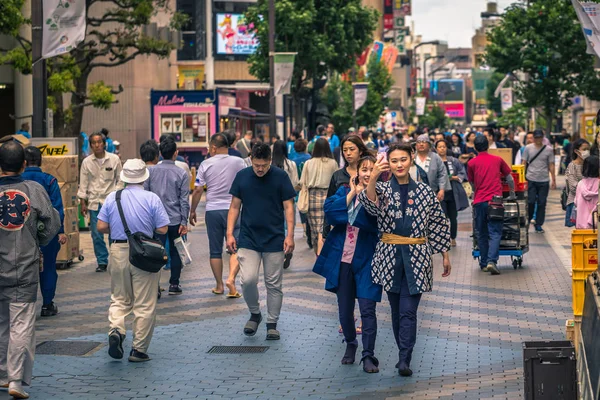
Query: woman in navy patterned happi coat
[{"x": 412, "y": 228}]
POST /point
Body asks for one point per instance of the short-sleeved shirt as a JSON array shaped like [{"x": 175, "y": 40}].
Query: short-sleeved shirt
[
  {"x": 486, "y": 172},
  {"x": 538, "y": 170},
  {"x": 218, "y": 173},
  {"x": 262, "y": 223},
  {"x": 143, "y": 211}
]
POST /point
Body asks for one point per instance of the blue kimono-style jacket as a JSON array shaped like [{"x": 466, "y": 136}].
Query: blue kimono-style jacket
[
  {"x": 422, "y": 217},
  {"x": 339, "y": 215}
]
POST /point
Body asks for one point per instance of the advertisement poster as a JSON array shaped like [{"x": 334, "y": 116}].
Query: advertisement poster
[
  {"x": 234, "y": 35},
  {"x": 360, "y": 94},
  {"x": 64, "y": 26},
  {"x": 166, "y": 125},
  {"x": 284, "y": 70},
  {"x": 191, "y": 77},
  {"x": 420, "y": 105},
  {"x": 506, "y": 98}
]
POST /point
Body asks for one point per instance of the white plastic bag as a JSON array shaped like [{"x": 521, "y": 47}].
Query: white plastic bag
[{"x": 183, "y": 251}]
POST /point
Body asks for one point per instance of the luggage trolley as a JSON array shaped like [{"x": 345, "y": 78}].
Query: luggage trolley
[{"x": 515, "y": 232}]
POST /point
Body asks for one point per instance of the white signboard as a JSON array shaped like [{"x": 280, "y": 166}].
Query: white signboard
[
  {"x": 360, "y": 94},
  {"x": 506, "y": 97},
  {"x": 64, "y": 26},
  {"x": 420, "y": 105},
  {"x": 284, "y": 71}
]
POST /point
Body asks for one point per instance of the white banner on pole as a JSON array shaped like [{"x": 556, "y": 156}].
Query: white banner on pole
[
  {"x": 506, "y": 97},
  {"x": 587, "y": 13},
  {"x": 64, "y": 26},
  {"x": 360, "y": 94},
  {"x": 284, "y": 70},
  {"x": 420, "y": 105}
]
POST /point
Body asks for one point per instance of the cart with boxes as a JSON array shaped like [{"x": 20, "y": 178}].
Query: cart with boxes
[
  {"x": 515, "y": 227},
  {"x": 60, "y": 159}
]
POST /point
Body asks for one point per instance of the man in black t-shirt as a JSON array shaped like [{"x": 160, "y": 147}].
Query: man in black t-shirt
[{"x": 267, "y": 196}]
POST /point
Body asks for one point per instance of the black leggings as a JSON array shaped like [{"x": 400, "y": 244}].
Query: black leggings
[{"x": 449, "y": 206}]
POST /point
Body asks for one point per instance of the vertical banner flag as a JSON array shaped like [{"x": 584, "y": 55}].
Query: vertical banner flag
[
  {"x": 506, "y": 97},
  {"x": 587, "y": 13},
  {"x": 389, "y": 56},
  {"x": 63, "y": 26},
  {"x": 377, "y": 50},
  {"x": 284, "y": 70},
  {"x": 360, "y": 94},
  {"x": 420, "y": 105},
  {"x": 388, "y": 15}
]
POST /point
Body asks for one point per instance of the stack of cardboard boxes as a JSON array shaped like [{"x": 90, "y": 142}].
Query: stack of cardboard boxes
[{"x": 66, "y": 170}]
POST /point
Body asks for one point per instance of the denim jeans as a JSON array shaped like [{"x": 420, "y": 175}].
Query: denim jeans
[
  {"x": 537, "y": 193},
  {"x": 49, "y": 277},
  {"x": 100, "y": 249},
  {"x": 489, "y": 233},
  {"x": 404, "y": 319},
  {"x": 346, "y": 295},
  {"x": 169, "y": 237}
]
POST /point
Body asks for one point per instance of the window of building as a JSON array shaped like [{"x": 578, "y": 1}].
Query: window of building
[
  {"x": 479, "y": 84},
  {"x": 194, "y": 41}
]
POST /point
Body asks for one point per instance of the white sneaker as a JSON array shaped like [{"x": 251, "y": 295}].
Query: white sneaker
[{"x": 15, "y": 389}]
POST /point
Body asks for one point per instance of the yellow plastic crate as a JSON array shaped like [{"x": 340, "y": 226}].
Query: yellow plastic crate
[
  {"x": 584, "y": 249},
  {"x": 519, "y": 170},
  {"x": 579, "y": 294}
]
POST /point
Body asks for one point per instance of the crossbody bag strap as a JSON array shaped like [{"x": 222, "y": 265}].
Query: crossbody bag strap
[
  {"x": 536, "y": 156},
  {"x": 123, "y": 221}
]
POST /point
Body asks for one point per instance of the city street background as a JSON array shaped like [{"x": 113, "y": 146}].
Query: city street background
[{"x": 469, "y": 340}]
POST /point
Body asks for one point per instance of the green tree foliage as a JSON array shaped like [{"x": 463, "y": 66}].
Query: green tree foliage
[
  {"x": 380, "y": 83},
  {"x": 543, "y": 46},
  {"x": 494, "y": 103},
  {"x": 114, "y": 36},
  {"x": 434, "y": 118},
  {"x": 328, "y": 35},
  {"x": 337, "y": 96}
]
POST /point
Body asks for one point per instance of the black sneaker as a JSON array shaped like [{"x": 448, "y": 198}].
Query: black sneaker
[
  {"x": 101, "y": 268},
  {"x": 287, "y": 260},
  {"x": 175, "y": 290},
  {"x": 138, "y": 356},
  {"x": 49, "y": 310},
  {"x": 115, "y": 344}
]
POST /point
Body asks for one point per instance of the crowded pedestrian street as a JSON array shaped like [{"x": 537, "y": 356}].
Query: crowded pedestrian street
[{"x": 469, "y": 346}]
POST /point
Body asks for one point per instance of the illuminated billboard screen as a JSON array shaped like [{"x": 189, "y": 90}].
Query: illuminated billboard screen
[
  {"x": 449, "y": 95},
  {"x": 234, "y": 35}
]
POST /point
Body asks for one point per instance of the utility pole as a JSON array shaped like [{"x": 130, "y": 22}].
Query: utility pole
[
  {"x": 40, "y": 88},
  {"x": 272, "y": 105}
]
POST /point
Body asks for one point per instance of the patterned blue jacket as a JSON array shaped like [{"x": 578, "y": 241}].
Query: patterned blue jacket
[{"x": 423, "y": 217}]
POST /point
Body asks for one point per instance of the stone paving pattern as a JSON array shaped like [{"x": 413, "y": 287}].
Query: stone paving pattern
[{"x": 469, "y": 341}]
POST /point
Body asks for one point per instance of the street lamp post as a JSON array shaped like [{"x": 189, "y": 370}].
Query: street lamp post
[
  {"x": 272, "y": 105},
  {"x": 414, "y": 60}
]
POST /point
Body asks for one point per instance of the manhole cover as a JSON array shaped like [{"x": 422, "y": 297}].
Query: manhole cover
[
  {"x": 67, "y": 348},
  {"x": 237, "y": 349}
]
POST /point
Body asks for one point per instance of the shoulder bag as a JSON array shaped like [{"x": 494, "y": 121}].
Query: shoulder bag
[
  {"x": 145, "y": 252},
  {"x": 534, "y": 157}
]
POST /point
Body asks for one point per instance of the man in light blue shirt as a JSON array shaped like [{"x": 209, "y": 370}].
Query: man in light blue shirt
[
  {"x": 132, "y": 290},
  {"x": 332, "y": 138},
  {"x": 172, "y": 185}
]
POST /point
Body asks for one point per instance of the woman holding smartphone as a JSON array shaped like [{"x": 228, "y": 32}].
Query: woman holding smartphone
[
  {"x": 413, "y": 227},
  {"x": 345, "y": 263}
]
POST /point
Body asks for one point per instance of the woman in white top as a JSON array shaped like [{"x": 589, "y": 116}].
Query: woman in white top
[{"x": 316, "y": 175}]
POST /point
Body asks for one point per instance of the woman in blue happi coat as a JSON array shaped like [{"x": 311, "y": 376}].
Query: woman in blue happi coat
[{"x": 345, "y": 263}]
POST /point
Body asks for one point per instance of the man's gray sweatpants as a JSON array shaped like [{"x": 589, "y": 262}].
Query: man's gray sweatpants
[{"x": 273, "y": 268}]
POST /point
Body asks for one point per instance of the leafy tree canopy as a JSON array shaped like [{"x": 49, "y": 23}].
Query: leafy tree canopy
[{"x": 544, "y": 47}]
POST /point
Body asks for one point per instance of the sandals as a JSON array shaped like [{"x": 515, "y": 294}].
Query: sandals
[
  {"x": 214, "y": 291},
  {"x": 350, "y": 354},
  {"x": 235, "y": 295},
  {"x": 251, "y": 327},
  {"x": 273, "y": 334},
  {"x": 370, "y": 364}
]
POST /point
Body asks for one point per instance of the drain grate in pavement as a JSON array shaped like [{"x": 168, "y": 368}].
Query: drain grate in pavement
[
  {"x": 237, "y": 349},
  {"x": 67, "y": 348}
]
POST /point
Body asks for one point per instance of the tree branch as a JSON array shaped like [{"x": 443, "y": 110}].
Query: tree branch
[{"x": 114, "y": 64}]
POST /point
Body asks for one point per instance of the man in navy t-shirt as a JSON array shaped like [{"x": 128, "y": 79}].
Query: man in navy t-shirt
[{"x": 267, "y": 196}]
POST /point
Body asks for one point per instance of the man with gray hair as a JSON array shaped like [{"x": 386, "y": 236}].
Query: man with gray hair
[{"x": 27, "y": 221}]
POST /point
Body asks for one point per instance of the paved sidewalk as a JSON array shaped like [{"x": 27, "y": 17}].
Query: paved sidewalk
[{"x": 468, "y": 347}]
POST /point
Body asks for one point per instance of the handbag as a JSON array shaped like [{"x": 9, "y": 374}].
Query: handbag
[
  {"x": 563, "y": 198},
  {"x": 468, "y": 189},
  {"x": 145, "y": 252},
  {"x": 303, "y": 200}
]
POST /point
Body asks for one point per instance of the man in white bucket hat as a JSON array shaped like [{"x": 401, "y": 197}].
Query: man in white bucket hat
[{"x": 133, "y": 290}]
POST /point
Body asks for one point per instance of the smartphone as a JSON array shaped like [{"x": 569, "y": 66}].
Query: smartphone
[{"x": 356, "y": 180}]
